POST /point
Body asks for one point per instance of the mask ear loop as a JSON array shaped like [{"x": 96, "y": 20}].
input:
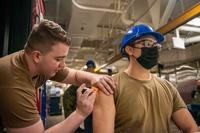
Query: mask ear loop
[
  {"x": 134, "y": 57},
  {"x": 136, "y": 48}
]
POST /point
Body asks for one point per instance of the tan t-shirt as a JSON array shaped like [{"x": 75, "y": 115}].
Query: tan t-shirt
[
  {"x": 144, "y": 106},
  {"x": 17, "y": 91}
]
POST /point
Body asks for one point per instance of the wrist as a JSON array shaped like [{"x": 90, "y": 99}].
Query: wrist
[
  {"x": 93, "y": 79},
  {"x": 79, "y": 114}
]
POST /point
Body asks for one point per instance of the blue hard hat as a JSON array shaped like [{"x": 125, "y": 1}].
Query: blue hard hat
[
  {"x": 138, "y": 31},
  {"x": 90, "y": 63}
]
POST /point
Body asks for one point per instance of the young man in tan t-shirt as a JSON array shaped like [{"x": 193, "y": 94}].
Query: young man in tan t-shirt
[
  {"x": 142, "y": 102},
  {"x": 43, "y": 58}
]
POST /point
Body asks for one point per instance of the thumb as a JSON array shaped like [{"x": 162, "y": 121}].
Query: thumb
[
  {"x": 80, "y": 89},
  {"x": 92, "y": 97}
]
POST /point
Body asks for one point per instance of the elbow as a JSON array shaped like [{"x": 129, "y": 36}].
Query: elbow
[{"x": 191, "y": 129}]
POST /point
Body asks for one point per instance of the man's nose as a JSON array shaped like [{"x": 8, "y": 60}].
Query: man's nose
[{"x": 62, "y": 64}]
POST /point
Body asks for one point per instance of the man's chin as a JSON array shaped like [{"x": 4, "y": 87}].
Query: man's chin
[{"x": 50, "y": 75}]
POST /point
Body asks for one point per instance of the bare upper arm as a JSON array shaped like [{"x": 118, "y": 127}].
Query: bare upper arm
[
  {"x": 184, "y": 120},
  {"x": 104, "y": 114},
  {"x": 35, "y": 128}
]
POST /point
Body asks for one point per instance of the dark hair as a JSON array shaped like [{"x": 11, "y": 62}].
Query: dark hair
[{"x": 44, "y": 35}]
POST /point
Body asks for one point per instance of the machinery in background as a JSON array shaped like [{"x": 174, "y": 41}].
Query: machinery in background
[{"x": 54, "y": 101}]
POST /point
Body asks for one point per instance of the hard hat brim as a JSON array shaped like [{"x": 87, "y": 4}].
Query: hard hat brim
[{"x": 159, "y": 38}]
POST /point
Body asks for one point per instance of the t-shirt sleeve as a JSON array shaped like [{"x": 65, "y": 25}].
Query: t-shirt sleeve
[
  {"x": 178, "y": 102},
  {"x": 61, "y": 75},
  {"x": 116, "y": 78},
  {"x": 19, "y": 108}
]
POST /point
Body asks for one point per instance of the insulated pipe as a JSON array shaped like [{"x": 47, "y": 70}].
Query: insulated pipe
[
  {"x": 129, "y": 22},
  {"x": 177, "y": 33},
  {"x": 130, "y": 4},
  {"x": 123, "y": 16},
  {"x": 168, "y": 11},
  {"x": 96, "y": 9},
  {"x": 192, "y": 39},
  {"x": 57, "y": 9},
  {"x": 189, "y": 28},
  {"x": 125, "y": 20}
]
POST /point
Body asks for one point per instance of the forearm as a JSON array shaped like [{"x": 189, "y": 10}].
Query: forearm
[
  {"x": 184, "y": 120},
  {"x": 83, "y": 77},
  {"x": 69, "y": 125},
  {"x": 78, "y": 77},
  {"x": 104, "y": 82}
]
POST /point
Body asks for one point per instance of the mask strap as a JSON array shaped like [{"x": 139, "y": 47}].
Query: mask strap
[
  {"x": 136, "y": 47},
  {"x": 134, "y": 56}
]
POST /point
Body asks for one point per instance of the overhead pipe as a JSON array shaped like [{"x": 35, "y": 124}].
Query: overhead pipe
[
  {"x": 123, "y": 13},
  {"x": 168, "y": 11},
  {"x": 119, "y": 3},
  {"x": 125, "y": 20},
  {"x": 177, "y": 33},
  {"x": 145, "y": 12},
  {"x": 57, "y": 9},
  {"x": 96, "y": 9},
  {"x": 192, "y": 40},
  {"x": 189, "y": 28},
  {"x": 130, "y": 22},
  {"x": 123, "y": 16},
  {"x": 182, "y": 6}
]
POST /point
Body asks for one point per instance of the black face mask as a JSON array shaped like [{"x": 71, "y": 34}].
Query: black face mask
[{"x": 149, "y": 57}]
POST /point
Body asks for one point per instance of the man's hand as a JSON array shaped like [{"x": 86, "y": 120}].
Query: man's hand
[
  {"x": 104, "y": 82},
  {"x": 85, "y": 101}
]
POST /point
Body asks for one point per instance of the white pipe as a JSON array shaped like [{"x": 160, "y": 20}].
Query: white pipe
[
  {"x": 57, "y": 9},
  {"x": 129, "y": 5},
  {"x": 182, "y": 6},
  {"x": 177, "y": 33},
  {"x": 154, "y": 12},
  {"x": 168, "y": 11},
  {"x": 119, "y": 3},
  {"x": 192, "y": 39},
  {"x": 123, "y": 16},
  {"x": 96, "y": 9},
  {"x": 189, "y": 28},
  {"x": 125, "y": 20}
]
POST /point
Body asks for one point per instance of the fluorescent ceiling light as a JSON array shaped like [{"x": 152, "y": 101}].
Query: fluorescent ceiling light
[{"x": 195, "y": 22}]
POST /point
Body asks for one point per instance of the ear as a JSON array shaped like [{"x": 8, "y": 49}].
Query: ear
[
  {"x": 129, "y": 50},
  {"x": 36, "y": 56}
]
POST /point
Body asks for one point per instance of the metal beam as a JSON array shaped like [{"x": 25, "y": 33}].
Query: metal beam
[{"x": 182, "y": 19}]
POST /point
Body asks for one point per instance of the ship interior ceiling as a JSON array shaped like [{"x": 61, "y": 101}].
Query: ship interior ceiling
[{"x": 97, "y": 27}]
